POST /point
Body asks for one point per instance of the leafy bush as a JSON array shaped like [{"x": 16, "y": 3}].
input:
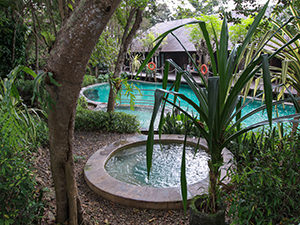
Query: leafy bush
[
  {"x": 120, "y": 122},
  {"x": 89, "y": 80},
  {"x": 176, "y": 124},
  {"x": 42, "y": 134},
  {"x": 20, "y": 199},
  {"x": 103, "y": 78},
  {"x": 25, "y": 89},
  {"x": 266, "y": 180},
  {"x": 82, "y": 103}
]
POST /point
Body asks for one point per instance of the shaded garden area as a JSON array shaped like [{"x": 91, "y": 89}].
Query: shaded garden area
[{"x": 50, "y": 49}]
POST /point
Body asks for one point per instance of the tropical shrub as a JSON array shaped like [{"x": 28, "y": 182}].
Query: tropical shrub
[
  {"x": 266, "y": 180},
  {"x": 89, "y": 80},
  {"x": 20, "y": 199},
  {"x": 290, "y": 73},
  {"x": 119, "y": 122},
  {"x": 177, "y": 124},
  {"x": 103, "y": 78}
]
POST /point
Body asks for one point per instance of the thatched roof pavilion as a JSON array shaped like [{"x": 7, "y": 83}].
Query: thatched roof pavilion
[
  {"x": 171, "y": 48},
  {"x": 171, "y": 45}
]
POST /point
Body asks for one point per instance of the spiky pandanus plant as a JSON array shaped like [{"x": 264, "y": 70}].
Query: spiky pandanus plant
[
  {"x": 218, "y": 101},
  {"x": 290, "y": 72}
]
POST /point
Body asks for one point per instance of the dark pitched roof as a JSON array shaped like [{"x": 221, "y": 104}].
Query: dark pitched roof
[{"x": 171, "y": 44}]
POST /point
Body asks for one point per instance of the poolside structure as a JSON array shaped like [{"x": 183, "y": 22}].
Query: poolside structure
[{"x": 171, "y": 49}]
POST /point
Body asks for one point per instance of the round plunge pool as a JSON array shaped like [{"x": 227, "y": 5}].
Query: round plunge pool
[
  {"x": 118, "y": 171},
  {"x": 129, "y": 165}
]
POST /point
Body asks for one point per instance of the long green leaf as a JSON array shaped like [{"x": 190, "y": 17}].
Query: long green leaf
[
  {"x": 213, "y": 93},
  {"x": 209, "y": 47},
  {"x": 150, "y": 140},
  {"x": 192, "y": 84},
  {"x": 166, "y": 74},
  {"x": 253, "y": 27},
  {"x": 256, "y": 110},
  {"x": 222, "y": 57},
  {"x": 183, "y": 174},
  {"x": 29, "y": 71},
  {"x": 267, "y": 87}
]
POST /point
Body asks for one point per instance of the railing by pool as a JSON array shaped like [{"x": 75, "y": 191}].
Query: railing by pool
[{"x": 141, "y": 99}]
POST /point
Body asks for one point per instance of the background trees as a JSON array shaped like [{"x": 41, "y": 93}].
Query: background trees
[
  {"x": 12, "y": 36},
  {"x": 130, "y": 17}
]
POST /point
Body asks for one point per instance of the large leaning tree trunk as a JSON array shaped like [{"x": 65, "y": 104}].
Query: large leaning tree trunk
[
  {"x": 125, "y": 42},
  {"x": 67, "y": 63}
]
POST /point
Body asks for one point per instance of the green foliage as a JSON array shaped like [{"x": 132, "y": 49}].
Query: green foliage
[
  {"x": 207, "y": 7},
  {"x": 218, "y": 100},
  {"x": 238, "y": 31},
  {"x": 48, "y": 37},
  {"x": 103, "y": 78},
  {"x": 82, "y": 103},
  {"x": 213, "y": 22},
  {"x": 266, "y": 180},
  {"x": 106, "y": 51},
  {"x": 290, "y": 73},
  {"x": 176, "y": 124},
  {"x": 20, "y": 201},
  {"x": 89, "y": 80},
  {"x": 119, "y": 122},
  {"x": 21, "y": 132},
  {"x": 12, "y": 44}
]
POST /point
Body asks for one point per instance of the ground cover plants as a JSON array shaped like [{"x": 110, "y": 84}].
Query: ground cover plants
[
  {"x": 22, "y": 131},
  {"x": 266, "y": 181}
]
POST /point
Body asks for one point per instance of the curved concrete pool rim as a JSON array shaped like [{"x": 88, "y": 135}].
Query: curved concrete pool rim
[{"x": 114, "y": 190}]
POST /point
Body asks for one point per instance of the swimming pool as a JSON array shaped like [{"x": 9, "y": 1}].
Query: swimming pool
[{"x": 143, "y": 111}]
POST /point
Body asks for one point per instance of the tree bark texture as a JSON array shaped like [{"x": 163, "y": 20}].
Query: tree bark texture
[
  {"x": 36, "y": 40},
  {"x": 126, "y": 41},
  {"x": 67, "y": 63}
]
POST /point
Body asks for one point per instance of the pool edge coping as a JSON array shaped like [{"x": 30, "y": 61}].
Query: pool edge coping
[{"x": 141, "y": 196}]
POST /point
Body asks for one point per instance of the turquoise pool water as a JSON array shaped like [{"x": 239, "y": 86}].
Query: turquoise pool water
[
  {"x": 99, "y": 93},
  {"x": 129, "y": 165}
]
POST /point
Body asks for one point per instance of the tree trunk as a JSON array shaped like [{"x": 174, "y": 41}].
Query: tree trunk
[
  {"x": 126, "y": 40},
  {"x": 67, "y": 63},
  {"x": 49, "y": 6},
  {"x": 216, "y": 160},
  {"x": 36, "y": 41}
]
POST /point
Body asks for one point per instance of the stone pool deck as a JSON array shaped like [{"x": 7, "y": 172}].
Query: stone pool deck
[
  {"x": 172, "y": 77},
  {"x": 141, "y": 196}
]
